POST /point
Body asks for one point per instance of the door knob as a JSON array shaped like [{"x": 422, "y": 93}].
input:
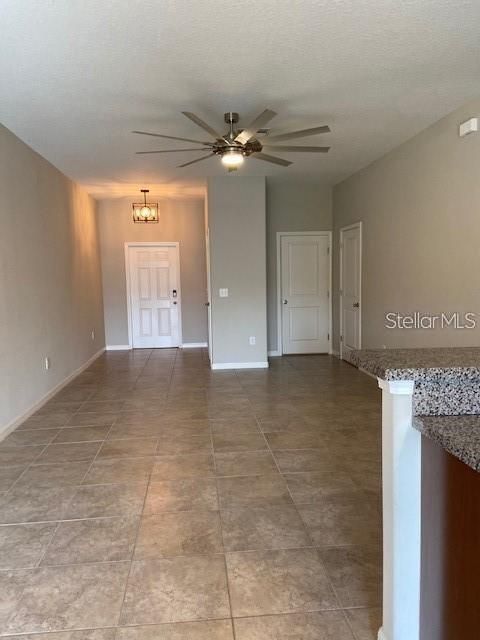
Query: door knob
[
  {"x": 285, "y": 302},
  {"x": 174, "y": 302},
  {"x": 356, "y": 305}
]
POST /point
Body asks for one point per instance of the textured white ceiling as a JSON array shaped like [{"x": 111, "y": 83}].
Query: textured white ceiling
[{"x": 76, "y": 76}]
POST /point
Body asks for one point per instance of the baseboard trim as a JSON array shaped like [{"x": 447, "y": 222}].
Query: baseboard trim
[
  {"x": 194, "y": 345},
  {"x": 118, "y": 347},
  {"x": 11, "y": 426},
  {"x": 335, "y": 354},
  {"x": 273, "y": 354},
  {"x": 239, "y": 365}
]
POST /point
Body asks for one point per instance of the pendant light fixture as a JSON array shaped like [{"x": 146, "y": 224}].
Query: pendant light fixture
[{"x": 143, "y": 211}]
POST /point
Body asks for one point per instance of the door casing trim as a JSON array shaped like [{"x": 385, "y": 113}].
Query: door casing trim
[
  {"x": 280, "y": 234},
  {"x": 176, "y": 245}
]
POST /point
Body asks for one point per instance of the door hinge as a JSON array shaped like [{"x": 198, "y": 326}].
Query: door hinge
[
  {"x": 328, "y": 251},
  {"x": 341, "y": 338},
  {"x": 328, "y": 294},
  {"x": 328, "y": 336}
]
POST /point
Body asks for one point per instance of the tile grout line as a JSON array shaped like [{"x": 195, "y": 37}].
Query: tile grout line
[{"x": 129, "y": 573}]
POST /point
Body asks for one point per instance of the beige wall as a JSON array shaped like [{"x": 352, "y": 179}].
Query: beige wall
[
  {"x": 420, "y": 207},
  {"x": 292, "y": 205},
  {"x": 179, "y": 221},
  {"x": 236, "y": 217},
  {"x": 50, "y": 282}
]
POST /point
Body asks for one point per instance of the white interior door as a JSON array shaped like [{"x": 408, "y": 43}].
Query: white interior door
[
  {"x": 350, "y": 289},
  {"x": 305, "y": 283},
  {"x": 209, "y": 296},
  {"x": 154, "y": 296}
]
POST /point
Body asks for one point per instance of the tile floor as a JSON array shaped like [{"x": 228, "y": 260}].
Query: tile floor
[{"x": 153, "y": 498}]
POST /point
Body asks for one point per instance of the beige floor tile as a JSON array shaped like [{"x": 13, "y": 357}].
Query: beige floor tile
[
  {"x": 347, "y": 519},
  {"x": 252, "y": 491},
  {"x": 34, "y": 504},
  {"x": 58, "y": 598},
  {"x": 103, "y": 406},
  {"x": 315, "y": 485},
  {"x": 225, "y": 442},
  {"x": 84, "y": 634},
  {"x": 301, "y": 460},
  {"x": 355, "y": 574},
  {"x": 183, "y": 444},
  {"x": 47, "y": 420},
  {"x": 81, "y": 434},
  {"x": 286, "y": 581},
  {"x": 33, "y": 437},
  {"x": 186, "y": 494},
  {"x": 179, "y": 534},
  {"x": 176, "y": 589},
  {"x": 95, "y": 501},
  {"x": 119, "y": 470},
  {"x": 234, "y": 425},
  {"x": 9, "y": 475},
  {"x": 23, "y": 545},
  {"x": 54, "y": 475},
  {"x": 245, "y": 463},
  {"x": 19, "y": 455},
  {"x": 300, "y": 440},
  {"x": 206, "y": 630},
  {"x": 286, "y": 425},
  {"x": 12, "y": 586},
  {"x": 99, "y": 540},
  {"x": 100, "y": 419},
  {"x": 322, "y": 419},
  {"x": 127, "y": 448},
  {"x": 73, "y": 452},
  {"x": 365, "y": 623},
  {"x": 189, "y": 428},
  {"x": 183, "y": 466},
  {"x": 140, "y": 430},
  {"x": 263, "y": 528},
  {"x": 324, "y": 625}
]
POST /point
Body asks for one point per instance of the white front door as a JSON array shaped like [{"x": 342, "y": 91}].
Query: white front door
[
  {"x": 305, "y": 282},
  {"x": 154, "y": 295},
  {"x": 350, "y": 289}
]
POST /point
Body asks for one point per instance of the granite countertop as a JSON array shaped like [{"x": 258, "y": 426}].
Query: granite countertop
[
  {"x": 420, "y": 364},
  {"x": 459, "y": 435}
]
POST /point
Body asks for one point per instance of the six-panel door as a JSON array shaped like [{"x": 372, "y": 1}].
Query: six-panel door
[{"x": 154, "y": 296}]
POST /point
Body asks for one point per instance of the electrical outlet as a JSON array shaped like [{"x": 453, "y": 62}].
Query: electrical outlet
[
  {"x": 47, "y": 363},
  {"x": 252, "y": 340},
  {"x": 93, "y": 334},
  {"x": 223, "y": 293}
]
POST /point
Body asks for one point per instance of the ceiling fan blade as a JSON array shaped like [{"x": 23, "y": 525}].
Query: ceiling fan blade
[
  {"x": 198, "y": 121},
  {"x": 259, "y": 122},
  {"x": 286, "y": 147},
  {"x": 300, "y": 134},
  {"x": 273, "y": 159},
  {"x": 210, "y": 155},
  {"x": 160, "y": 135},
  {"x": 139, "y": 153}
]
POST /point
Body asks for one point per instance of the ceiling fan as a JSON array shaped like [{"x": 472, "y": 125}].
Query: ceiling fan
[{"x": 238, "y": 144}]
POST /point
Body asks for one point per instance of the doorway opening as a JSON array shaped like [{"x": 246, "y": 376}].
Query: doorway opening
[{"x": 350, "y": 289}]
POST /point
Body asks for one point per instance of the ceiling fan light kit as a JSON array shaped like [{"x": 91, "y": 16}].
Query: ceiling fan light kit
[
  {"x": 238, "y": 144},
  {"x": 145, "y": 211}
]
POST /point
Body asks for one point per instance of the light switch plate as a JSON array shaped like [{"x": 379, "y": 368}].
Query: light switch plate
[{"x": 223, "y": 293}]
